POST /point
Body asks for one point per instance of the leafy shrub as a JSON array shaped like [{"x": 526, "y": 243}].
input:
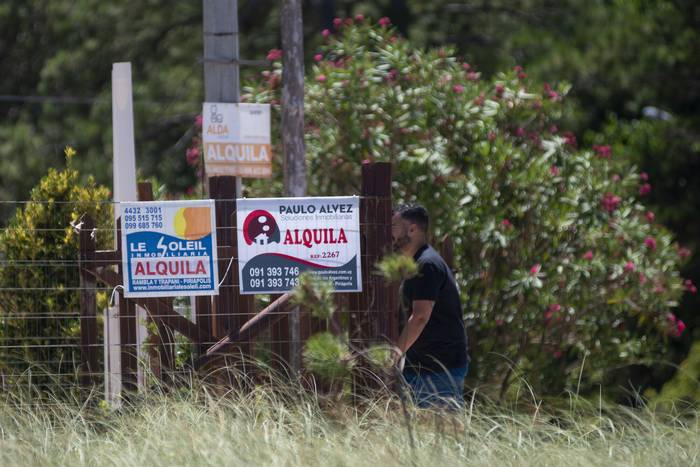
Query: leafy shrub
[
  {"x": 563, "y": 272},
  {"x": 39, "y": 278}
]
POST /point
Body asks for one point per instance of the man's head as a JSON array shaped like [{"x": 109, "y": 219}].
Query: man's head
[{"x": 409, "y": 228}]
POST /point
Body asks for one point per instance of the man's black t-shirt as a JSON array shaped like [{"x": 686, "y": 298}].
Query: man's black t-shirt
[{"x": 443, "y": 342}]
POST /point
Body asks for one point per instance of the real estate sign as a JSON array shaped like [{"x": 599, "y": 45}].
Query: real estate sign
[
  {"x": 169, "y": 248},
  {"x": 236, "y": 139},
  {"x": 279, "y": 238}
]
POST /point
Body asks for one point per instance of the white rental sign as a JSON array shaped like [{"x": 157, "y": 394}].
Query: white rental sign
[
  {"x": 279, "y": 238},
  {"x": 236, "y": 139},
  {"x": 169, "y": 248}
]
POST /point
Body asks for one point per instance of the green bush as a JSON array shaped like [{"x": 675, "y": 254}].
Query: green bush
[
  {"x": 563, "y": 274},
  {"x": 39, "y": 279}
]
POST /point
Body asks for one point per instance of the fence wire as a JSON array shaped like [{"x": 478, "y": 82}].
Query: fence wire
[{"x": 41, "y": 344}]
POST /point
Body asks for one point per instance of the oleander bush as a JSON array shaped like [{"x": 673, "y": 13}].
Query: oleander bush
[{"x": 566, "y": 277}]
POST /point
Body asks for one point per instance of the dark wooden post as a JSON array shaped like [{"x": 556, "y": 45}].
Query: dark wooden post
[
  {"x": 223, "y": 191},
  {"x": 127, "y": 329},
  {"x": 244, "y": 304},
  {"x": 373, "y": 315},
  {"x": 88, "y": 305}
]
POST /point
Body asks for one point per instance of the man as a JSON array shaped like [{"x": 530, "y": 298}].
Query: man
[{"x": 433, "y": 339}]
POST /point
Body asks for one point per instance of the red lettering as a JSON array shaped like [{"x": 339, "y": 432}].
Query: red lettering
[
  {"x": 200, "y": 267},
  {"x": 341, "y": 237},
  {"x": 139, "y": 269},
  {"x": 288, "y": 238}
]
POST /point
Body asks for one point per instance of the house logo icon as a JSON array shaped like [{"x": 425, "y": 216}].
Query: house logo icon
[{"x": 260, "y": 228}]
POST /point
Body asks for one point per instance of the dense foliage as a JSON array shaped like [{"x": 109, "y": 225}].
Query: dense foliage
[
  {"x": 564, "y": 272},
  {"x": 39, "y": 277}
]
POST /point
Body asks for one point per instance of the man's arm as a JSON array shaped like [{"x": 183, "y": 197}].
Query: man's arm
[{"x": 420, "y": 314}]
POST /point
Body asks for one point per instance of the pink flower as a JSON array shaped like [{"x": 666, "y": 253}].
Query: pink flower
[
  {"x": 644, "y": 176},
  {"x": 615, "y": 178},
  {"x": 680, "y": 327},
  {"x": 192, "y": 156},
  {"x": 198, "y": 121},
  {"x": 603, "y": 152},
  {"x": 644, "y": 189},
  {"x": 384, "y": 22},
  {"x": 671, "y": 318},
  {"x": 610, "y": 202},
  {"x": 650, "y": 216},
  {"x": 569, "y": 139},
  {"x": 321, "y": 78},
  {"x": 189, "y": 191},
  {"x": 274, "y": 55},
  {"x": 553, "y": 129},
  {"x": 629, "y": 266},
  {"x": 318, "y": 57},
  {"x": 650, "y": 243},
  {"x": 520, "y": 132},
  {"x": 326, "y": 33},
  {"x": 588, "y": 256},
  {"x": 499, "y": 322},
  {"x": 500, "y": 89},
  {"x": 689, "y": 286},
  {"x": 517, "y": 68},
  {"x": 642, "y": 278},
  {"x": 557, "y": 354},
  {"x": 479, "y": 100},
  {"x": 359, "y": 17},
  {"x": 472, "y": 76},
  {"x": 458, "y": 88},
  {"x": 555, "y": 308},
  {"x": 535, "y": 269},
  {"x": 548, "y": 316},
  {"x": 492, "y": 136},
  {"x": 466, "y": 66},
  {"x": 684, "y": 252},
  {"x": 393, "y": 73},
  {"x": 505, "y": 223},
  {"x": 337, "y": 22}
]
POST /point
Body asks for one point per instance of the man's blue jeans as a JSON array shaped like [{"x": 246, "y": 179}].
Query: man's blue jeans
[{"x": 438, "y": 390}]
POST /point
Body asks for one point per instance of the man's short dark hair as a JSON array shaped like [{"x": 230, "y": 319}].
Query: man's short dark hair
[{"x": 415, "y": 214}]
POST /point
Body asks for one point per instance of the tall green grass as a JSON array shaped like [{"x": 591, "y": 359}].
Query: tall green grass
[{"x": 286, "y": 424}]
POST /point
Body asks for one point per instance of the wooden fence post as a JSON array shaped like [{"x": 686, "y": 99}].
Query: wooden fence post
[
  {"x": 373, "y": 315},
  {"x": 88, "y": 304}
]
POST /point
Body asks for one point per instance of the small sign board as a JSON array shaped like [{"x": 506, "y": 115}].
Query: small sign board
[
  {"x": 236, "y": 139},
  {"x": 169, "y": 248},
  {"x": 279, "y": 238}
]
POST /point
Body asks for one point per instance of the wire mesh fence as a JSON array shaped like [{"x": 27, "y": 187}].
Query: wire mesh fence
[{"x": 52, "y": 293}]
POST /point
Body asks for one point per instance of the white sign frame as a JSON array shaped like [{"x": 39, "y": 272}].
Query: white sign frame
[
  {"x": 138, "y": 240},
  {"x": 319, "y": 234},
  {"x": 236, "y": 139}
]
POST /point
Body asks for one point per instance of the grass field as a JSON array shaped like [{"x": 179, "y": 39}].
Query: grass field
[{"x": 293, "y": 427}]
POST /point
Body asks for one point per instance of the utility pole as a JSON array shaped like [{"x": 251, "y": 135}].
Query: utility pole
[
  {"x": 293, "y": 131},
  {"x": 221, "y": 84}
]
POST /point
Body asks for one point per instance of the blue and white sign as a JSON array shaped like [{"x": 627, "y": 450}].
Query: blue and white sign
[{"x": 169, "y": 248}]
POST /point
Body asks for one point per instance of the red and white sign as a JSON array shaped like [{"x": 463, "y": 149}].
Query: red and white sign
[{"x": 279, "y": 238}]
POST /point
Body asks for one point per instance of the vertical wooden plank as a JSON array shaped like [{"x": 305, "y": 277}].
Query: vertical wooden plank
[
  {"x": 244, "y": 304},
  {"x": 127, "y": 331},
  {"x": 88, "y": 305},
  {"x": 223, "y": 191}
]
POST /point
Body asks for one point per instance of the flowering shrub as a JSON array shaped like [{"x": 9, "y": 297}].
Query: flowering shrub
[{"x": 563, "y": 272}]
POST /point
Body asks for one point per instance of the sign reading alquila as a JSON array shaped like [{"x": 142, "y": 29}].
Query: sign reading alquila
[
  {"x": 279, "y": 238},
  {"x": 236, "y": 139},
  {"x": 169, "y": 248}
]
